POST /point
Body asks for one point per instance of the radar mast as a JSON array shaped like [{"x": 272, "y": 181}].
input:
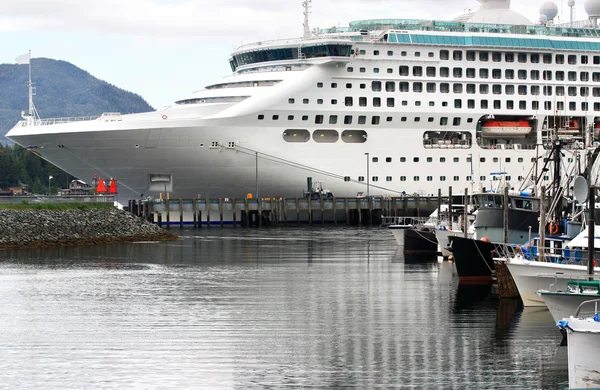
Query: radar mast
[{"x": 306, "y": 4}]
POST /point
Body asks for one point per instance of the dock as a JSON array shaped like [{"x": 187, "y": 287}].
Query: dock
[{"x": 361, "y": 211}]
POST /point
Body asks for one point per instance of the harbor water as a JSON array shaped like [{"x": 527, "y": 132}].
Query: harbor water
[{"x": 240, "y": 308}]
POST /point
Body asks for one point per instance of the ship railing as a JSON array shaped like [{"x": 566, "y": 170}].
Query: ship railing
[
  {"x": 569, "y": 282},
  {"x": 55, "y": 121},
  {"x": 287, "y": 41},
  {"x": 413, "y": 221},
  {"x": 557, "y": 255}
]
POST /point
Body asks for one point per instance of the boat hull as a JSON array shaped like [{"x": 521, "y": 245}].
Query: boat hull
[
  {"x": 398, "y": 232},
  {"x": 473, "y": 260},
  {"x": 563, "y": 304},
  {"x": 532, "y": 276},
  {"x": 420, "y": 241},
  {"x": 443, "y": 239},
  {"x": 583, "y": 340}
]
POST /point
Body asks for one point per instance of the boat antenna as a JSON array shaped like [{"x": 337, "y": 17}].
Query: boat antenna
[
  {"x": 32, "y": 115},
  {"x": 306, "y": 4}
]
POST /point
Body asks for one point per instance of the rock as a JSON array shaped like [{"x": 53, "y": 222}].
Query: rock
[{"x": 43, "y": 228}]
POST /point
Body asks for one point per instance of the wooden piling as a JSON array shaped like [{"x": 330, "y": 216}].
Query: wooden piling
[
  {"x": 221, "y": 212},
  {"x": 247, "y": 214},
  {"x": 207, "y": 212},
  {"x": 322, "y": 212},
  {"x": 297, "y": 211},
  {"x": 180, "y": 213},
  {"x": 234, "y": 212},
  {"x": 195, "y": 211},
  {"x": 335, "y": 212},
  {"x": 506, "y": 284},
  {"x": 259, "y": 216},
  {"x": 466, "y": 214},
  {"x": 450, "y": 216},
  {"x": 359, "y": 206},
  {"x": 168, "y": 213}
]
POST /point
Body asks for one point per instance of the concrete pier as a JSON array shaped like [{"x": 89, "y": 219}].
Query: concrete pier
[{"x": 365, "y": 211}]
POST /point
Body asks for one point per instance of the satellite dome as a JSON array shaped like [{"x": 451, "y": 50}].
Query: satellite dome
[
  {"x": 549, "y": 9},
  {"x": 592, "y": 7},
  {"x": 543, "y": 19}
]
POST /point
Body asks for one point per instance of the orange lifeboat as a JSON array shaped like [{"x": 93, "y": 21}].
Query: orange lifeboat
[
  {"x": 505, "y": 129},
  {"x": 571, "y": 129}
]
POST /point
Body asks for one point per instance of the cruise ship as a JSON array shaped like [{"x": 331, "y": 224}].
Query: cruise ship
[{"x": 381, "y": 107}]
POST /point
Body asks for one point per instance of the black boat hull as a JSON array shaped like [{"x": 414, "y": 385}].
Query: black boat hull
[
  {"x": 473, "y": 260},
  {"x": 420, "y": 241}
]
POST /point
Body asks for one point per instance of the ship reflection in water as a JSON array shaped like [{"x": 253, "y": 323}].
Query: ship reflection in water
[{"x": 235, "y": 308}]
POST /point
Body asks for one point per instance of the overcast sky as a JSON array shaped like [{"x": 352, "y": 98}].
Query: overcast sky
[{"x": 165, "y": 49}]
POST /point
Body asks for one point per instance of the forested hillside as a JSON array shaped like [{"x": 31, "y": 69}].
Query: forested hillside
[{"x": 62, "y": 90}]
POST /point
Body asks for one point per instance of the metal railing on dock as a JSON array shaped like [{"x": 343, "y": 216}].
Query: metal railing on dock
[{"x": 365, "y": 211}]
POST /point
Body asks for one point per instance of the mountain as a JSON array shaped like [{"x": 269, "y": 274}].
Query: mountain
[{"x": 63, "y": 90}]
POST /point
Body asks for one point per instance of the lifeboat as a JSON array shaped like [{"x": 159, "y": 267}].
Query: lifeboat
[
  {"x": 572, "y": 129},
  {"x": 505, "y": 129}
]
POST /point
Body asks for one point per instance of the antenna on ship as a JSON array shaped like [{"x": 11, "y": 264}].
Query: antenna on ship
[
  {"x": 306, "y": 4},
  {"x": 32, "y": 116}
]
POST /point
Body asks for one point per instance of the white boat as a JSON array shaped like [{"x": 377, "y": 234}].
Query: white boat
[
  {"x": 532, "y": 276},
  {"x": 583, "y": 340},
  {"x": 563, "y": 302},
  {"x": 384, "y": 105}
]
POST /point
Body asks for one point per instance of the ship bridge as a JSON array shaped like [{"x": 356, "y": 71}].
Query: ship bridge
[{"x": 289, "y": 50}]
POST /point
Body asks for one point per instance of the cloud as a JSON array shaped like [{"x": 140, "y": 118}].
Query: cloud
[{"x": 204, "y": 20}]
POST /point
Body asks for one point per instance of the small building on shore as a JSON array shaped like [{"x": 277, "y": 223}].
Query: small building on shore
[{"x": 76, "y": 187}]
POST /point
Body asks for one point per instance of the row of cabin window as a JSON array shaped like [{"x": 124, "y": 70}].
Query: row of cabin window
[
  {"x": 484, "y": 73},
  {"x": 455, "y": 159},
  {"x": 362, "y": 119},
  {"x": 496, "y": 56},
  {"x": 458, "y": 103},
  {"x": 418, "y": 86},
  {"x": 497, "y": 89},
  {"x": 509, "y": 74},
  {"x": 390, "y": 53},
  {"x": 534, "y": 58},
  {"x": 430, "y": 178}
]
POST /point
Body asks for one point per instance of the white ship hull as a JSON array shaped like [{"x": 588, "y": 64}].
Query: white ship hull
[
  {"x": 369, "y": 109},
  {"x": 532, "y": 276},
  {"x": 182, "y": 148}
]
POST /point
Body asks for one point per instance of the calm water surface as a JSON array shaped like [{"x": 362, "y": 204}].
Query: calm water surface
[{"x": 234, "y": 308}]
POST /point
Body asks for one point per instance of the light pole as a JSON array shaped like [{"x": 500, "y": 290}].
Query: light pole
[
  {"x": 256, "y": 175},
  {"x": 367, "y": 154},
  {"x": 49, "y": 178},
  {"x": 471, "y": 160}
]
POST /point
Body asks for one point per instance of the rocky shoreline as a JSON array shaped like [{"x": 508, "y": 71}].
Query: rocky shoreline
[{"x": 51, "y": 228}]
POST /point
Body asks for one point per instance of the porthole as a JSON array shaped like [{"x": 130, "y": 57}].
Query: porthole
[
  {"x": 354, "y": 136},
  {"x": 137, "y": 146},
  {"x": 296, "y": 135},
  {"x": 325, "y": 136}
]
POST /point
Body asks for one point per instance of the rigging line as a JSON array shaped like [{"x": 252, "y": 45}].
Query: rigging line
[
  {"x": 100, "y": 170},
  {"x": 425, "y": 238},
  {"x": 289, "y": 163},
  {"x": 310, "y": 169},
  {"x": 482, "y": 257}
]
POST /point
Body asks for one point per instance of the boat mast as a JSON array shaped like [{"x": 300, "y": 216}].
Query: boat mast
[
  {"x": 32, "y": 115},
  {"x": 306, "y": 4}
]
